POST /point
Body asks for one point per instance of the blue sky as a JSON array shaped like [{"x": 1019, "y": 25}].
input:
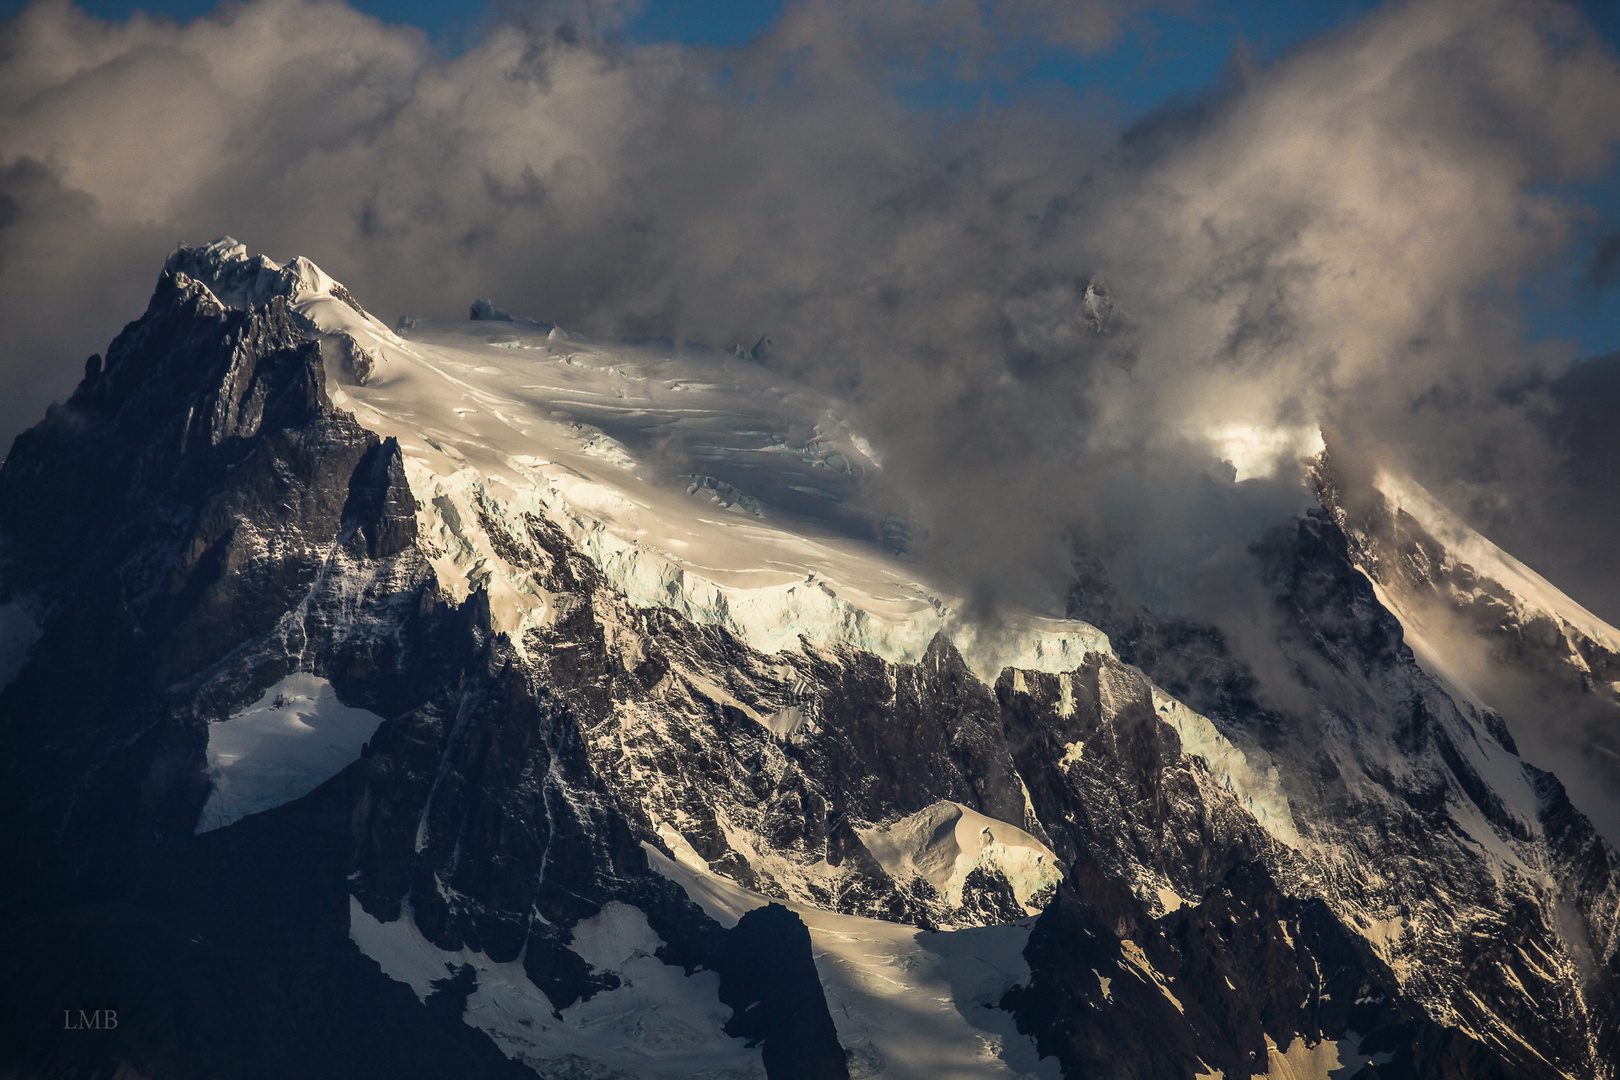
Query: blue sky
[{"x": 1162, "y": 57}]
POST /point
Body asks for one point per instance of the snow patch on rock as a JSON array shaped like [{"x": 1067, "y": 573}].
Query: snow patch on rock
[
  {"x": 283, "y": 746},
  {"x": 658, "y": 1024},
  {"x": 947, "y": 841},
  {"x": 1258, "y": 789}
]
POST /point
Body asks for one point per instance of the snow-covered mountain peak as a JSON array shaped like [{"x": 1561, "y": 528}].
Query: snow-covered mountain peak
[
  {"x": 240, "y": 281},
  {"x": 1425, "y": 560},
  {"x": 236, "y": 279},
  {"x": 1490, "y": 563},
  {"x": 429, "y": 634},
  {"x": 694, "y": 480},
  {"x": 1505, "y": 643}
]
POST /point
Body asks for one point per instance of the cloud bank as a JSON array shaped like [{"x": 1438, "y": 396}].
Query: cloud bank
[{"x": 1058, "y": 333}]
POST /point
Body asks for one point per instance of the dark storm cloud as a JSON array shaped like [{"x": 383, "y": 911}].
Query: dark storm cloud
[
  {"x": 1605, "y": 267},
  {"x": 1055, "y": 334}
]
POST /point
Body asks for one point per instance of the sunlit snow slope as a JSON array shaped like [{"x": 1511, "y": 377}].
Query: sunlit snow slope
[
  {"x": 1531, "y": 593},
  {"x": 696, "y": 480},
  {"x": 1500, "y": 638}
]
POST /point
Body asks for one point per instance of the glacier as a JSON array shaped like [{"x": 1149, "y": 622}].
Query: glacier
[{"x": 779, "y": 536}]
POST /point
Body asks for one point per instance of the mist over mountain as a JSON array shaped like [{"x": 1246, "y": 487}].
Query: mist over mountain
[{"x": 1045, "y": 320}]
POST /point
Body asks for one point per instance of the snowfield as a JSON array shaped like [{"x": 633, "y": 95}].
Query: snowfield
[
  {"x": 283, "y": 746},
  {"x": 694, "y": 479},
  {"x": 658, "y": 1024},
  {"x": 909, "y": 1004}
]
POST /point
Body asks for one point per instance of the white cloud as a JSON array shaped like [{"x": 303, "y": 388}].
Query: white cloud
[{"x": 1333, "y": 240}]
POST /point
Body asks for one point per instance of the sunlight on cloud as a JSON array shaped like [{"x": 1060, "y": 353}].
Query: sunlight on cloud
[{"x": 1262, "y": 452}]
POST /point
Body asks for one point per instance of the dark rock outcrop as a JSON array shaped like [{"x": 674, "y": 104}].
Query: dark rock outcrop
[
  {"x": 1226, "y": 984},
  {"x": 768, "y": 977}
]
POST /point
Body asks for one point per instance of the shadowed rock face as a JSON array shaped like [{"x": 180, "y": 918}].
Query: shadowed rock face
[
  {"x": 181, "y": 501},
  {"x": 1380, "y": 774},
  {"x": 1257, "y": 970},
  {"x": 164, "y": 525},
  {"x": 198, "y": 521},
  {"x": 768, "y": 978}
]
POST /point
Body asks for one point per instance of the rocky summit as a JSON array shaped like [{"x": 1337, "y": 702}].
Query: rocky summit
[{"x": 471, "y": 699}]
